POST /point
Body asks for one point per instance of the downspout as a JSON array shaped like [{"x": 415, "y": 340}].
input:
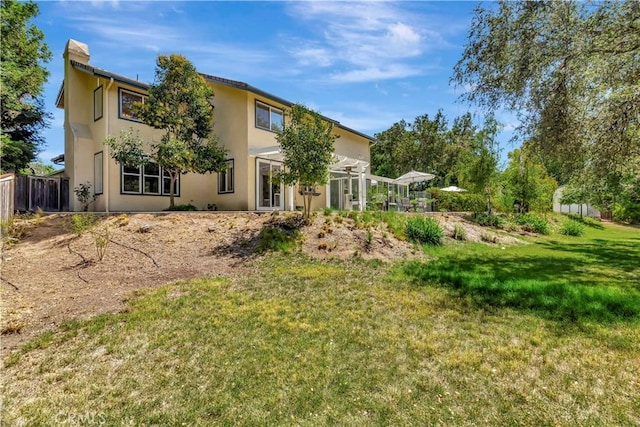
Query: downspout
[{"x": 105, "y": 182}]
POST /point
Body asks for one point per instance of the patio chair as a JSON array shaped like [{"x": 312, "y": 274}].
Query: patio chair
[{"x": 405, "y": 204}]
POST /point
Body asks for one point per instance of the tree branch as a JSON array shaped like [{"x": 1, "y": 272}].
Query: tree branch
[{"x": 137, "y": 250}]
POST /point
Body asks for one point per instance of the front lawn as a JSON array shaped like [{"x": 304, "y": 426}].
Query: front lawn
[{"x": 307, "y": 342}]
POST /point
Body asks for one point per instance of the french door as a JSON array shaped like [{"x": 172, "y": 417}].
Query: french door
[{"x": 269, "y": 192}]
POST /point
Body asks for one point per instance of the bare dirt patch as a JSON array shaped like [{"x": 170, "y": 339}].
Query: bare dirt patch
[{"x": 51, "y": 276}]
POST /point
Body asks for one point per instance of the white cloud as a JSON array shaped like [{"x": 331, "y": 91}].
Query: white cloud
[
  {"x": 394, "y": 71},
  {"x": 372, "y": 40}
]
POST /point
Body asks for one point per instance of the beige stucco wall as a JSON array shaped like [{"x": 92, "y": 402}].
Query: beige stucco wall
[
  {"x": 231, "y": 129},
  {"x": 234, "y": 117}
]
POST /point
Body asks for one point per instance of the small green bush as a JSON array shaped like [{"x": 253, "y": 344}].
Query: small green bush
[
  {"x": 487, "y": 220},
  {"x": 424, "y": 230},
  {"x": 79, "y": 223},
  {"x": 572, "y": 228},
  {"x": 186, "y": 207},
  {"x": 459, "y": 233},
  {"x": 533, "y": 223}
]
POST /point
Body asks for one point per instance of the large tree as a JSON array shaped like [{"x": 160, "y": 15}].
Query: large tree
[
  {"x": 178, "y": 103},
  {"x": 478, "y": 165},
  {"x": 307, "y": 144},
  {"x": 22, "y": 77},
  {"x": 571, "y": 73},
  {"x": 526, "y": 181}
]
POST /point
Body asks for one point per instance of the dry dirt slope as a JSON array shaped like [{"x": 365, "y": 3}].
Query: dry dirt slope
[{"x": 51, "y": 275}]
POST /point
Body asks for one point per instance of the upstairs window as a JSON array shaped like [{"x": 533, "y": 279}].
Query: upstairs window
[
  {"x": 268, "y": 117},
  {"x": 225, "y": 179},
  {"x": 127, "y": 99}
]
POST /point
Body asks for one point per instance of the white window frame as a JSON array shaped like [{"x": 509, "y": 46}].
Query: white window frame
[
  {"x": 226, "y": 178},
  {"x": 155, "y": 177},
  {"x": 132, "y": 117},
  {"x": 163, "y": 182},
  {"x": 272, "y": 127}
]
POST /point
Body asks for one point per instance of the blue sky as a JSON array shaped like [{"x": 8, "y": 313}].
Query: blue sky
[{"x": 367, "y": 65}]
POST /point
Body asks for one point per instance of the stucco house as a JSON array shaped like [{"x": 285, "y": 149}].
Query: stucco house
[{"x": 97, "y": 103}]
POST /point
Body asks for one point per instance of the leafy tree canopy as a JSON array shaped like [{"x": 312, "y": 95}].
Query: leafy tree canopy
[
  {"x": 22, "y": 78},
  {"x": 179, "y": 103},
  {"x": 570, "y": 70},
  {"x": 307, "y": 144}
]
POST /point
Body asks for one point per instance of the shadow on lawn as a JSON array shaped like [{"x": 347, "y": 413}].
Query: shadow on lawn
[{"x": 554, "y": 287}]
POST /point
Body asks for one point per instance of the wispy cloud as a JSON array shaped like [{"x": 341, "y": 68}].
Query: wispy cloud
[{"x": 368, "y": 40}]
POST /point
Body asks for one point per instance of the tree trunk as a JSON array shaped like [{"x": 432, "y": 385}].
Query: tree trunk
[{"x": 308, "y": 204}]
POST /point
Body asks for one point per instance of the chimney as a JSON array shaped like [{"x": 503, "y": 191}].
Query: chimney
[{"x": 77, "y": 51}]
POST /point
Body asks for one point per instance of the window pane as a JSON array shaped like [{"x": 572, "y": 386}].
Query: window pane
[
  {"x": 130, "y": 184},
  {"x": 97, "y": 104},
  {"x": 126, "y": 103},
  {"x": 222, "y": 181},
  {"x": 230, "y": 178},
  {"x": 151, "y": 185},
  {"x": 262, "y": 116},
  {"x": 129, "y": 169},
  {"x": 276, "y": 119},
  {"x": 166, "y": 185},
  {"x": 152, "y": 169}
]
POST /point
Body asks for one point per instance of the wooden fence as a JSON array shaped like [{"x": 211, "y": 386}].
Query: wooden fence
[{"x": 23, "y": 193}]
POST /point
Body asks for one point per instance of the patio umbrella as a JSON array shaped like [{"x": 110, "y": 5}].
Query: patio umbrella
[
  {"x": 413, "y": 176},
  {"x": 453, "y": 188}
]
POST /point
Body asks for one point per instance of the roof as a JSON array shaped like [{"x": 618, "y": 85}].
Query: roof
[{"x": 99, "y": 72}]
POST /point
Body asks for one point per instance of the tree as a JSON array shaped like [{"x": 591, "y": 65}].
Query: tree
[
  {"x": 306, "y": 142},
  {"x": 427, "y": 144},
  {"x": 37, "y": 169},
  {"x": 527, "y": 181},
  {"x": 178, "y": 103},
  {"x": 479, "y": 165},
  {"x": 22, "y": 78},
  {"x": 571, "y": 73}
]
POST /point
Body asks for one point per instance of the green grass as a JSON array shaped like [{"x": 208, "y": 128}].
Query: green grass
[
  {"x": 563, "y": 278},
  {"x": 306, "y": 342}
]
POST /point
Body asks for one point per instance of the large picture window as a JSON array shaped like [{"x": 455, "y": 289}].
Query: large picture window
[
  {"x": 225, "y": 179},
  {"x": 149, "y": 179},
  {"x": 268, "y": 117},
  {"x": 126, "y": 100}
]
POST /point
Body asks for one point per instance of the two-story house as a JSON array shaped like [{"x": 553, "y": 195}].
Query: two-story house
[{"x": 97, "y": 103}]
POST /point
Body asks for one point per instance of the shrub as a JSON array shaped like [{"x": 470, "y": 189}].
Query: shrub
[
  {"x": 628, "y": 212},
  {"x": 101, "y": 240},
  {"x": 487, "y": 220},
  {"x": 79, "y": 223},
  {"x": 449, "y": 201},
  {"x": 489, "y": 238},
  {"x": 12, "y": 231},
  {"x": 424, "y": 230},
  {"x": 84, "y": 195},
  {"x": 572, "y": 228},
  {"x": 459, "y": 233},
  {"x": 186, "y": 207},
  {"x": 533, "y": 223}
]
